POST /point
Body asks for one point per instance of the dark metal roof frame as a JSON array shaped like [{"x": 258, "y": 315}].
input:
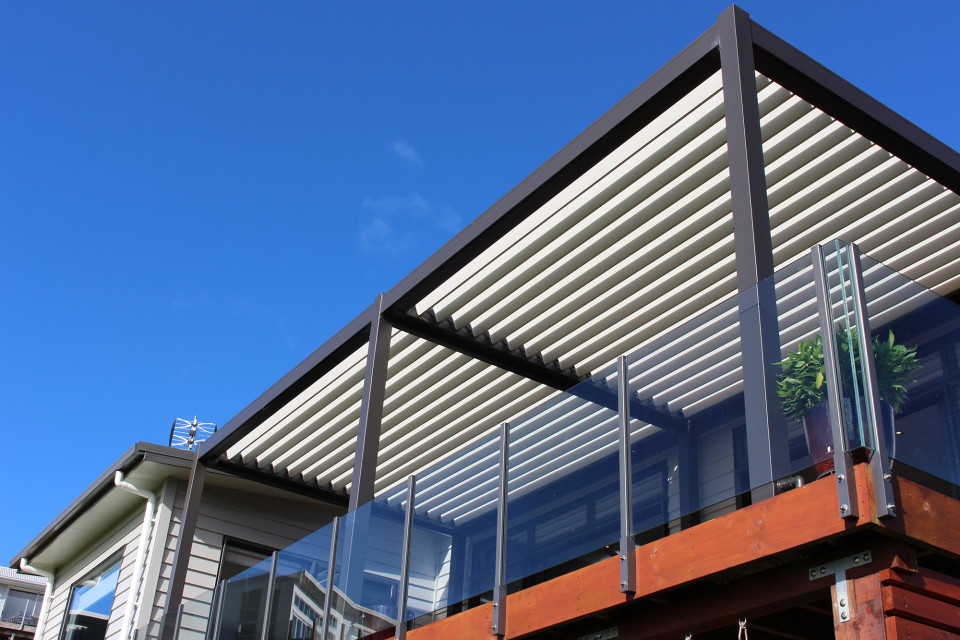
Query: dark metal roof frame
[
  {"x": 332, "y": 352},
  {"x": 835, "y": 96},
  {"x": 671, "y": 82},
  {"x": 774, "y": 58}
]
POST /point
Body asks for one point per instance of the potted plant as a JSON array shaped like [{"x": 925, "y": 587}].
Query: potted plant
[{"x": 802, "y": 388}]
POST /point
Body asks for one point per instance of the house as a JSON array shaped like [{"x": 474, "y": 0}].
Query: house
[
  {"x": 566, "y": 422},
  {"x": 20, "y": 598},
  {"x": 108, "y": 554}
]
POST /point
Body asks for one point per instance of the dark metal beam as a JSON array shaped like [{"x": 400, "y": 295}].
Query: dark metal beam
[
  {"x": 371, "y": 410},
  {"x": 298, "y": 484},
  {"x": 181, "y": 557},
  {"x": 767, "y": 444},
  {"x": 499, "y": 354},
  {"x": 835, "y": 96},
  {"x": 331, "y": 353}
]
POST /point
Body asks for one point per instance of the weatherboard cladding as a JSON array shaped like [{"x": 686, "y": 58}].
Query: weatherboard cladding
[
  {"x": 264, "y": 520},
  {"x": 123, "y": 541}
]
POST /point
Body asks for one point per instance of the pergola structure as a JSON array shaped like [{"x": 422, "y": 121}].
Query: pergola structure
[{"x": 723, "y": 168}]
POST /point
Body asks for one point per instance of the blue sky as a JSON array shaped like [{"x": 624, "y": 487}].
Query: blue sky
[{"x": 194, "y": 196}]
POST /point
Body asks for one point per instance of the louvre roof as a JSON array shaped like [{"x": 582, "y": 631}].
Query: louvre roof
[{"x": 624, "y": 235}]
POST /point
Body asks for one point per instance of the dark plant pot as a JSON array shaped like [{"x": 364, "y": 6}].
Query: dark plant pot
[{"x": 816, "y": 427}]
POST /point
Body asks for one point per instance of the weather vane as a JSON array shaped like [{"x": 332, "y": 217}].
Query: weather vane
[{"x": 187, "y": 434}]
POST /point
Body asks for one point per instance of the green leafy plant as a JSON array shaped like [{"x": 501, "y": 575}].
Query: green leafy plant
[{"x": 801, "y": 382}]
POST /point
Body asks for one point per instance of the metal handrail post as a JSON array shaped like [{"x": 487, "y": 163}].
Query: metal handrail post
[
  {"x": 401, "y": 628},
  {"x": 628, "y": 559},
  {"x": 268, "y": 605},
  {"x": 499, "y": 623},
  {"x": 331, "y": 566},
  {"x": 846, "y": 487},
  {"x": 884, "y": 502}
]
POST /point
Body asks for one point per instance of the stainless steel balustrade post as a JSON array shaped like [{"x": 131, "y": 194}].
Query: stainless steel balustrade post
[
  {"x": 846, "y": 486},
  {"x": 331, "y": 566},
  {"x": 268, "y": 605},
  {"x": 879, "y": 458},
  {"x": 401, "y": 628},
  {"x": 499, "y": 587},
  {"x": 628, "y": 559}
]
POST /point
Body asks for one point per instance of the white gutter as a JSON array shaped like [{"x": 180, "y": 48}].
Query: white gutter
[
  {"x": 47, "y": 592},
  {"x": 138, "y": 563}
]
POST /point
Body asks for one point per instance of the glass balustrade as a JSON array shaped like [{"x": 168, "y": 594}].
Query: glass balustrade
[
  {"x": 691, "y": 456},
  {"x": 916, "y": 342}
]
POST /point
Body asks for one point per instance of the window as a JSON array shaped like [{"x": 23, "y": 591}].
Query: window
[
  {"x": 21, "y": 607},
  {"x": 91, "y": 603}
]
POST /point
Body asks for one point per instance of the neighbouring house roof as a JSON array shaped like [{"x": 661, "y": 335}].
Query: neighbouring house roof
[
  {"x": 22, "y": 580},
  {"x": 102, "y": 503}
]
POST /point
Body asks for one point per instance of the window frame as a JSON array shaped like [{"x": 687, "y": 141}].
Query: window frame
[{"x": 102, "y": 569}]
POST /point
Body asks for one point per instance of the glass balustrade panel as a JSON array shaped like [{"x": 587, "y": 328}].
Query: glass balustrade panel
[
  {"x": 562, "y": 481},
  {"x": 453, "y": 542},
  {"x": 916, "y": 348},
  {"x": 366, "y": 583},
  {"x": 299, "y": 592},
  {"x": 244, "y": 603}
]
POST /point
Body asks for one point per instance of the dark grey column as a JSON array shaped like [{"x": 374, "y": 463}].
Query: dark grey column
[
  {"x": 371, "y": 410},
  {"x": 767, "y": 445},
  {"x": 181, "y": 556}
]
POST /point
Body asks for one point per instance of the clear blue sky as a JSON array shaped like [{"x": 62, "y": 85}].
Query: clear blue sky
[{"x": 195, "y": 195}]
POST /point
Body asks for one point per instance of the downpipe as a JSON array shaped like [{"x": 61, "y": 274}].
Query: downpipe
[
  {"x": 146, "y": 530},
  {"x": 47, "y": 593}
]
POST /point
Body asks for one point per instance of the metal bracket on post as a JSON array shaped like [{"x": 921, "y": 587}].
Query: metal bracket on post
[
  {"x": 628, "y": 556},
  {"x": 846, "y": 486},
  {"x": 331, "y": 566},
  {"x": 839, "y": 569},
  {"x": 498, "y": 627},
  {"x": 401, "y": 628},
  {"x": 884, "y": 502}
]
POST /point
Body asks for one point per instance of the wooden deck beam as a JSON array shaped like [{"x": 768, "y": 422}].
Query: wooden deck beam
[{"x": 739, "y": 540}]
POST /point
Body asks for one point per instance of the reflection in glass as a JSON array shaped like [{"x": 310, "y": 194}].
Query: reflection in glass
[
  {"x": 562, "y": 479},
  {"x": 367, "y": 571},
  {"x": 454, "y": 529},
  {"x": 90, "y": 605},
  {"x": 244, "y": 603},
  {"x": 21, "y": 607}
]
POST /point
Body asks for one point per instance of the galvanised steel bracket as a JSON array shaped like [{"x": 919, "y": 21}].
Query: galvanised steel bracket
[{"x": 839, "y": 569}]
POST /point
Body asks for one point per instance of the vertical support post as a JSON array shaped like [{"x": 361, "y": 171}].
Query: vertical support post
[
  {"x": 179, "y": 621},
  {"x": 628, "y": 556},
  {"x": 181, "y": 556},
  {"x": 884, "y": 502},
  {"x": 401, "y": 630},
  {"x": 499, "y": 586},
  {"x": 220, "y": 597},
  {"x": 268, "y": 604},
  {"x": 371, "y": 410},
  {"x": 846, "y": 486},
  {"x": 331, "y": 570},
  {"x": 767, "y": 444}
]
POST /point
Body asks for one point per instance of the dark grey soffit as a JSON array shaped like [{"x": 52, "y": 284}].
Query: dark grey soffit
[{"x": 140, "y": 452}]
